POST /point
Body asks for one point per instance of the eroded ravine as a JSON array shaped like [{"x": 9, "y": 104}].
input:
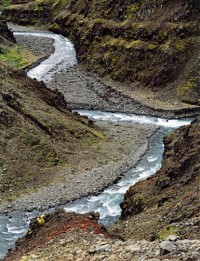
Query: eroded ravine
[{"x": 15, "y": 224}]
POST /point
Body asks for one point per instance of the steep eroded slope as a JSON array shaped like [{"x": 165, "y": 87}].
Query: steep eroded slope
[
  {"x": 147, "y": 44},
  {"x": 38, "y": 134},
  {"x": 168, "y": 202}
]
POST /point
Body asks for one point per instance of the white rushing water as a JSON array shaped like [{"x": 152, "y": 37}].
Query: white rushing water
[
  {"x": 133, "y": 118},
  {"x": 108, "y": 202},
  {"x": 15, "y": 224},
  {"x": 63, "y": 56}
]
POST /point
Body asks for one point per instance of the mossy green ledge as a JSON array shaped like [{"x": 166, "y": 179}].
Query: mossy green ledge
[{"x": 148, "y": 45}]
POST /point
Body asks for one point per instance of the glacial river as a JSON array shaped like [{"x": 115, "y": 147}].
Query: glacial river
[{"x": 15, "y": 224}]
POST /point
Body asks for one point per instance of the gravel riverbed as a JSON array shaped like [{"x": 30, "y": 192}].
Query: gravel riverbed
[
  {"x": 85, "y": 90},
  {"x": 127, "y": 142},
  {"x": 46, "y": 45},
  {"x": 125, "y": 145},
  {"x": 122, "y": 149}
]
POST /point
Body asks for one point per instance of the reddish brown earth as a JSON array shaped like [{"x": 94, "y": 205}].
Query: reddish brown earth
[
  {"x": 67, "y": 236},
  {"x": 54, "y": 225},
  {"x": 164, "y": 204}
]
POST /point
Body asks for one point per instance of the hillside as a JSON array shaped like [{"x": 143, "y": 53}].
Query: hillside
[
  {"x": 70, "y": 236},
  {"x": 168, "y": 202},
  {"x": 164, "y": 205},
  {"x": 152, "y": 46},
  {"x": 38, "y": 134},
  {"x": 147, "y": 46}
]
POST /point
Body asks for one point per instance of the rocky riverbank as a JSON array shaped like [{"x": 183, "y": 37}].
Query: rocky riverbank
[
  {"x": 119, "y": 148},
  {"x": 64, "y": 236},
  {"x": 126, "y": 143},
  {"x": 152, "y": 46},
  {"x": 40, "y": 160},
  {"x": 45, "y": 49},
  {"x": 46, "y": 141},
  {"x": 85, "y": 90},
  {"x": 172, "y": 202}
]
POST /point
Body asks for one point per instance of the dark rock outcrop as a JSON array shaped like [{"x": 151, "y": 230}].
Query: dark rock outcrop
[
  {"x": 5, "y": 33},
  {"x": 181, "y": 167},
  {"x": 169, "y": 201}
]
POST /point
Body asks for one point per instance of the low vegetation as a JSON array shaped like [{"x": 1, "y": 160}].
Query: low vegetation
[
  {"x": 38, "y": 134},
  {"x": 4, "y": 3},
  {"x": 143, "y": 44},
  {"x": 170, "y": 205},
  {"x": 17, "y": 57}
]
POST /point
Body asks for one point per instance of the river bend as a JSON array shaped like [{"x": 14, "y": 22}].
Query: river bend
[{"x": 15, "y": 224}]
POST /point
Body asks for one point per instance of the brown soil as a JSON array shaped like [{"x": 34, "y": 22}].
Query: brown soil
[
  {"x": 171, "y": 204},
  {"x": 39, "y": 133},
  {"x": 62, "y": 236},
  {"x": 54, "y": 225},
  {"x": 167, "y": 203},
  {"x": 53, "y": 139}
]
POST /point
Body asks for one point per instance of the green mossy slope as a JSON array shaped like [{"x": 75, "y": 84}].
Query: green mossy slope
[
  {"x": 10, "y": 52},
  {"x": 150, "y": 44}
]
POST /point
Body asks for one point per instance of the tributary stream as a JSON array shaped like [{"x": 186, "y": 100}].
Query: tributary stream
[{"x": 15, "y": 224}]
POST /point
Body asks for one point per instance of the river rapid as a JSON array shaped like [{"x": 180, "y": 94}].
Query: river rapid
[{"x": 14, "y": 225}]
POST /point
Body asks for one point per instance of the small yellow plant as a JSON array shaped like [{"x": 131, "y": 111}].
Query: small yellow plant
[{"x": 41, "y": 220}]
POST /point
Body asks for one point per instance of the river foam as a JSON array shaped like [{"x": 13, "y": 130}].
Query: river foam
[{"x": 64, "y": 56}]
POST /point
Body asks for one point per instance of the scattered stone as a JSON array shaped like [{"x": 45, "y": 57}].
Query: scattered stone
[
  {"x": 167, "y": 247},
  {"x": 172, "y": 238},
  {"x": 133, "y": 248},
  {"x": 99, "y": 249}
]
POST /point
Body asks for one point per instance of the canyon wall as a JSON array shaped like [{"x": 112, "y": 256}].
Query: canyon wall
[
  {"x": 145, "y": 44},
  {"x": 168, "y": 202}
]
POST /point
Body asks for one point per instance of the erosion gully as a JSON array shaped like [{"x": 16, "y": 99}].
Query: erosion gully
[{"x": 15, "y": 224}]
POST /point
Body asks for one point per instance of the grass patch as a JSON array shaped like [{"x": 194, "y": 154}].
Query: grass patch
[
  {"x": 98, "y": 134},
  {"x": 17, "y": 57},
  {"x": 4, "y": 3},
  {"x": 169, "y": 230},
  {"x": 185, "y": 88}
]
